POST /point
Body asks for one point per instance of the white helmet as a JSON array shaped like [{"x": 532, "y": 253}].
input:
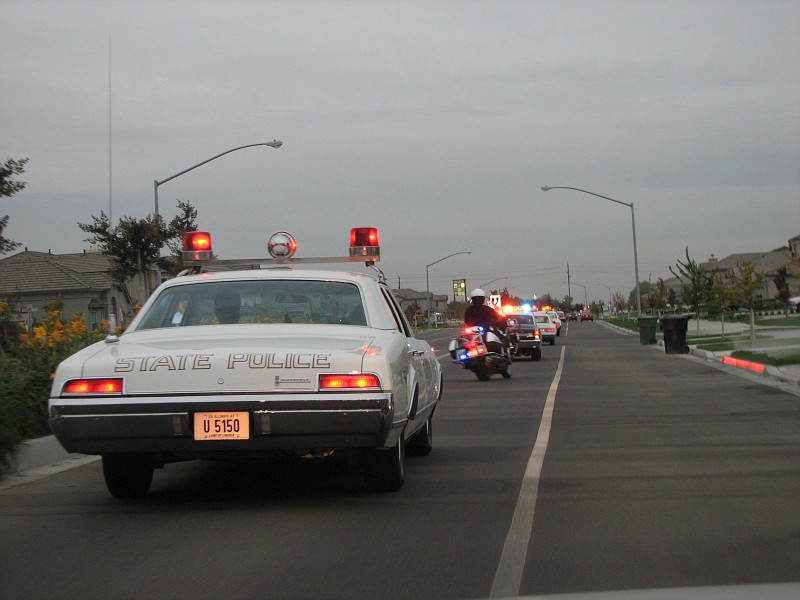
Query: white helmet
[{"x": 476, "y": 293}]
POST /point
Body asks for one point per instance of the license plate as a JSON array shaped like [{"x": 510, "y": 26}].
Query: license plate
[{"x": 221, "y": 426}]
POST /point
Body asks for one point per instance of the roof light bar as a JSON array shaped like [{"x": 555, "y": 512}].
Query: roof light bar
[{"x": 364, "y": 246}]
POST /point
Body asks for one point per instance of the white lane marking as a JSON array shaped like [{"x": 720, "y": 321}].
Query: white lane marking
[{"x": 508, "y": 576}]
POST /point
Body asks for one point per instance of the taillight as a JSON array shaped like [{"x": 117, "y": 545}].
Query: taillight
[
  {"x": 350, "y": 381},
  {"x": 83, "y": 387}
]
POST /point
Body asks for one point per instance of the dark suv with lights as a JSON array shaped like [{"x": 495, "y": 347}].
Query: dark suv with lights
[{"x": 524, "y": 336}]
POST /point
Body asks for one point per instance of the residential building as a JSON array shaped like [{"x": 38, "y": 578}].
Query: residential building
[{"x": 31, "y": 280}]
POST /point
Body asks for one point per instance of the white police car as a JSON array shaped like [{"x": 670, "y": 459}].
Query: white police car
[{"x": 238, "y": 364}]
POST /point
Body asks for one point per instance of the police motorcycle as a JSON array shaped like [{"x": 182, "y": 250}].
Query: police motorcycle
[{"x": 481, "y": 351}]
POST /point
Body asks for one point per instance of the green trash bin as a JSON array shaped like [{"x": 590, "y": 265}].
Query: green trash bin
[
  {"x": 675, "y": 327},
  {"x": 647, "y": 330}
]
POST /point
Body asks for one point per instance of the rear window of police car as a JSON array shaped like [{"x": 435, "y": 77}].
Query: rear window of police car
[{"x": 268, "y": 301}]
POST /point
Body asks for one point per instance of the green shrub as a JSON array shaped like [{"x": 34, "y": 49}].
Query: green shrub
[
  {"x": 791, "y": 358},
  {"x": 27, "y": 365}
]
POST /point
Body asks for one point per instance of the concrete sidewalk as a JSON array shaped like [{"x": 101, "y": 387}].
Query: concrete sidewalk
[
  {"x": 787, "y": 374},
  {"x": 38, "y": 458}
]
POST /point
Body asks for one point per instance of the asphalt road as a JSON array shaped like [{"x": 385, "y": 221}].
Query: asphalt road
[{"x": 607, "y": 465}]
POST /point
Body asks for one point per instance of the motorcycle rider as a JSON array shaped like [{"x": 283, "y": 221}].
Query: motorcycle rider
[{"x": 480, "y": 313}]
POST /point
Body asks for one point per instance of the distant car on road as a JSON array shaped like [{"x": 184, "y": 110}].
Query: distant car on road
[
  {"x": 547, "y": 328},
  {"x": 556, "y": 320},
  {"x": 573, "y": 316},
  {"x": 586, "y": 316}
]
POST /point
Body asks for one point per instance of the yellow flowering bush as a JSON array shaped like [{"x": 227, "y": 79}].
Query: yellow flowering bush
[{"x": 27, "y": 365}]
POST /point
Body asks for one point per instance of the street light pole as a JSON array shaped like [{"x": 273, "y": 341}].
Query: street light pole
[
  {"x": 609, "y": 297},
  {"x": 585, "y": 297},
  {"x": 427, "y": 283},
  {"x": 273, "y": 144},
  {"x": 546, "y": 188}
]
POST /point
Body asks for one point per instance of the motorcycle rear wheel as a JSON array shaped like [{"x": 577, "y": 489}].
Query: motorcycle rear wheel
[{"x": 483, "y": 373}]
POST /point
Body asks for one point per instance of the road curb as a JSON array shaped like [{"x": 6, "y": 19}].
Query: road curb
[{"x": 37, "y": 458}]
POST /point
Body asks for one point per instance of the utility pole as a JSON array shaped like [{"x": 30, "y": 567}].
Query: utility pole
[{"x": 569, "y": 288}]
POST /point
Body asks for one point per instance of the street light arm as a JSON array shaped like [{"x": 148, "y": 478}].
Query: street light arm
[
  {"x": 427, "y": 280},
  {"x": 483, "y": 285},
  {"x": 448, "y": 256},
  {"x": 274, "y": 144},
  {"x": 546, "y": 188}
]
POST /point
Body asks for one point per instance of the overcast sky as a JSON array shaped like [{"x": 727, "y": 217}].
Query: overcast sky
[{"x": 437, "y": 122}]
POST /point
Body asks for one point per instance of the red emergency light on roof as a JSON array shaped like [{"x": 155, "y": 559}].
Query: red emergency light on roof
[
  {"x": 364, "y": 243},
  {"x": 197, "y": 245}
]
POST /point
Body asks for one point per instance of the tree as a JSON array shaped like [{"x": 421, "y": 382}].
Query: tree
[
  {"x": 8, "y": 187},
  {"x": 644, "y": 290},
  {"x": 718, "y": 296},
  {"x": 672, "y": 298},
  {"x": 619, "y": 302},
  {"x": 694, "y": 285},
  {"x": 745, "y": 283},
  {"x": 545, "y": 300},
  {"x": 134, "y": 245},
  {"x": 658, "y": 296},
  {"x": 782, "y": 285}
]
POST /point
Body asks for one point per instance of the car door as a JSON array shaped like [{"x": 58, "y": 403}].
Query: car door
[{"x": 419, "y": 352}]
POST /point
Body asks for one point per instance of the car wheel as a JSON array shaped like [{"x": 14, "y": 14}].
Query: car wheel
[
  {"x": 553, "y": 341},
  {"x": 536, "y": 354},
  {"x": 384, "y": 470},
  {"x": 506, "y": 373},
  {"x": 127, "y": 475},
  {"x": 422, "y": 442}
]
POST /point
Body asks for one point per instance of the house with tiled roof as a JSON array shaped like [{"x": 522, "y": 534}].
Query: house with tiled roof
[
  {"x": 408, "y": 298},
  {"x": 31, "y": 280},
  {"x": 768, "y": 263}
]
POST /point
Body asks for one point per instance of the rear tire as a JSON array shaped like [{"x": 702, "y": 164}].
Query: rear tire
[
  {"x": 422, "y": 442},
  {"x": 482, "y": 372},
  {"x": 127, "y": 475},
  {"x": 536, "y": 354},
  {"x": 384, "y": 470}
]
